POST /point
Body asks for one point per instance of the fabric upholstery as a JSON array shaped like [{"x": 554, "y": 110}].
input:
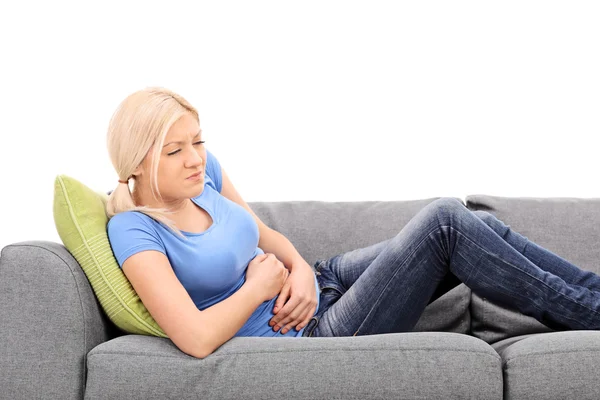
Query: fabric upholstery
[
  {"x": 428, "y": 365},
  {"x": 555, "y": 365},
  {"x": 49, "y": 320},
  {"x": 566, "y": 226}
]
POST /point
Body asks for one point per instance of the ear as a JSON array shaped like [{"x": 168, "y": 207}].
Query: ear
[{"x": 138, "y": 170}]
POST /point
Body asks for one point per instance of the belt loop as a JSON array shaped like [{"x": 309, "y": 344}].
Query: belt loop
[{"x": 318, "y": 266}]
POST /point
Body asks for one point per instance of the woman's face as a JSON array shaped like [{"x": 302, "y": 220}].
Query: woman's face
[{"x": 181, "y": 156}]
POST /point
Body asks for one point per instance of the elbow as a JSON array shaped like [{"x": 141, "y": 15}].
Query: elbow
[
  {"x": 202, "y": 350},
  {"x": 201, "y": 355},
  {"x": 197, "y": 352},
  {"x": 196, "y": 346}
]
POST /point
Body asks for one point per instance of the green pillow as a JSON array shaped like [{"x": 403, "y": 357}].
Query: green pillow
[{"x": 80, "y": 218}]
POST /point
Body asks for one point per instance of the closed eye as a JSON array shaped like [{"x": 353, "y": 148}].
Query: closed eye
[{"x": 178, "y": 150}]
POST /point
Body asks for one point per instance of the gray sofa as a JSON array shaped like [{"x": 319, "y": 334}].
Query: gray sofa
[{"x": 57, "y": 343}]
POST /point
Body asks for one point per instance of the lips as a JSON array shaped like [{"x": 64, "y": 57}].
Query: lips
[{"x": 195, "y": 175}]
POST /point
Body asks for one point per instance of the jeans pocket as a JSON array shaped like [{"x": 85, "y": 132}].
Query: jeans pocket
[
  {"x": 331, "y": 291},
  {"x": 329, "y": 295},
  {"x": 327, "y": 278}
]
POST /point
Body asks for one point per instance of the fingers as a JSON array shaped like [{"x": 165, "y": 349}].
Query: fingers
[
  {"x": 309, "y": 315},
  {"x": 299, "y": 317},
  {"x": 281, "y": 299},
  {"x": 295, "y": 322},
  {"x": 289, "y": 312},
  {"x": 288, "y": 322},
  {"x": 312, "y": 308}
]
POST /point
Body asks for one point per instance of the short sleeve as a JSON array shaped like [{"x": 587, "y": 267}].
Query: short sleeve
[
  {"x": 128, "y": 234},
  {"x": 213, "y": 170}
]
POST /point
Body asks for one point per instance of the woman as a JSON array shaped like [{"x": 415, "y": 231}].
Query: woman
[{"x": 207, "y": 269}]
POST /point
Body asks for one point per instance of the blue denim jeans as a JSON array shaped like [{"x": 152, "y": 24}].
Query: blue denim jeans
[{"x": 384, "y": 288}]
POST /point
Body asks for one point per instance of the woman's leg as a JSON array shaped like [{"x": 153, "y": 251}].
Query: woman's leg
[
  {"x": 543, "y": 258},
  {"x": 355, "y": 262},
  {"x": 349, "y": 266},
  {"x": 392, "y": 291}
]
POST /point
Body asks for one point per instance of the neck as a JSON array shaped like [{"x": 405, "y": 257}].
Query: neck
[{"x": 144, "y": 198}]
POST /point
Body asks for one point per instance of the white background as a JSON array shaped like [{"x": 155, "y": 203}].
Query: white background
[{"x": 311, "y": 100}]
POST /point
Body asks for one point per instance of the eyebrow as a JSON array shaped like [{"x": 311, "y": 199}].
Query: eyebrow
[{"x": 182, "y": 141}]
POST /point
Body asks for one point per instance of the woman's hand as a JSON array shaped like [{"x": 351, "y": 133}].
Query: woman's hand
[
  {"x": 268, "y": 273},
  {"x": 302, "y": 293}
]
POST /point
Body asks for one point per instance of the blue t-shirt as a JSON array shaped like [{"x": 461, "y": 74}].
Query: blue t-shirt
[{"x": 210, "y": 265}]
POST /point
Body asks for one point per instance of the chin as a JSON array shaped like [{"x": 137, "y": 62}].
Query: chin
[{"x": 198, "y": 191}]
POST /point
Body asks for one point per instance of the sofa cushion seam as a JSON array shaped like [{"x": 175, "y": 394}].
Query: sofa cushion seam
[
  {"x": 495, "y": 356},
  {"x": 548, "y": 353}
]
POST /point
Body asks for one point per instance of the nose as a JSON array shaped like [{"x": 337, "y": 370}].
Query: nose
[{"x": 194, "y": 159}]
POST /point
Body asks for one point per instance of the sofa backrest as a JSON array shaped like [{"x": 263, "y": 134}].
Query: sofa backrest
[
  {"x": 321, "y": 230},
  {"x": 568, "y": 227}
]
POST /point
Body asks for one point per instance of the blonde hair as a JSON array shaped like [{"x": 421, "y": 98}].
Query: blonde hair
[{"x": 141, "y": 121}]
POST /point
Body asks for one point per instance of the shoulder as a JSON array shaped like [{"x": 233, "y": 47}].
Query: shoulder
[
  {"x": 127, "y": 219},
  {"x": 130, "y": 232},
  {"x": 128, "y": 226}
]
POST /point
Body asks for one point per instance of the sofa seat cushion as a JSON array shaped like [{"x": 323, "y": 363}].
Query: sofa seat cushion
[
  {"x": 555, "y": 365},
  {"x": 399, "y": 365}
]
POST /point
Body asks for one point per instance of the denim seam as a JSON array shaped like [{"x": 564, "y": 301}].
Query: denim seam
[
  {"x": 318, "y": 272},
  {"x": 313, "y": 328},
  {"x": 531, "y": 304},
  {"x": 393, "y": 276},
  {"x": 482, "y": 249},
  {"x": 319, "y": 267},
  {"x": 515, "y": 267},
  {"x": 334, "y": 288}
]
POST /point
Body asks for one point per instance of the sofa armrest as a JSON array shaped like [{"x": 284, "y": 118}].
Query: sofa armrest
[{"x": 50, "y": 320}]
